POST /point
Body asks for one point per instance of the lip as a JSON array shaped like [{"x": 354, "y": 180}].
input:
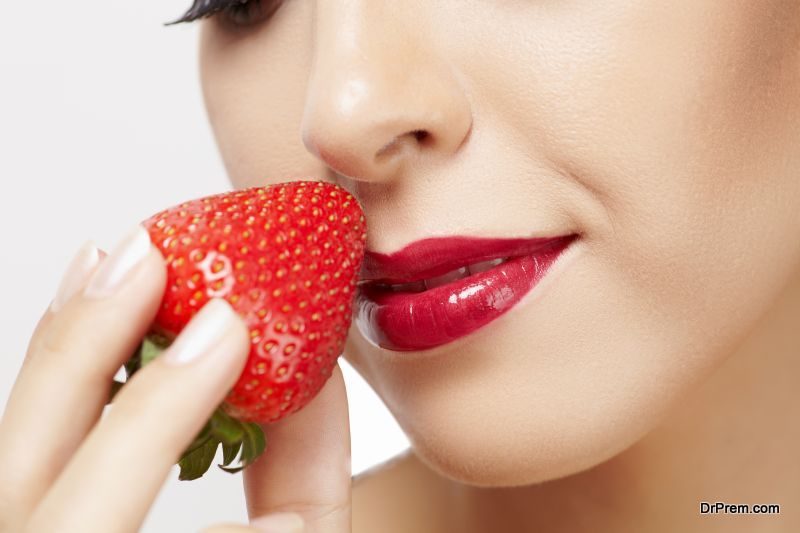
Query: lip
[{"x": 395, "y": 311}]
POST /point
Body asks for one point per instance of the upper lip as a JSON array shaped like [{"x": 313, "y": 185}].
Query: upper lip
[{"x": 428, "y": 258}]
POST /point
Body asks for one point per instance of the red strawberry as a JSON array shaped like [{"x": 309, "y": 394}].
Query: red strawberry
[{"x": 286, "y": 257}]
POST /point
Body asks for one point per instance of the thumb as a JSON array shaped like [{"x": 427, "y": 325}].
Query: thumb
[{"x": 306, "y": 466}]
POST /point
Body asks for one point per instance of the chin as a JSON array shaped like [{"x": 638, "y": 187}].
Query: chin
[
  {"x": 513, "y": 461},
  {"x": 469, "y": 437}
]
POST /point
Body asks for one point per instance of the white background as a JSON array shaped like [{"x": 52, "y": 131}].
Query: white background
[{"x": 101, "y": 125}]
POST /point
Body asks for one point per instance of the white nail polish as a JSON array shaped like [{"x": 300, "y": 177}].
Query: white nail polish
[
  {"x": 113, "y": 270},
  {"x": 279, "y": 523},
  {"x": 82, "y": 264},
  {"x": 202, "y": 333}
]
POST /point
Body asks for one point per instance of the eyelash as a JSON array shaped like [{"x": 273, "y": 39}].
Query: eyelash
[{"x": 230, "y": 8}]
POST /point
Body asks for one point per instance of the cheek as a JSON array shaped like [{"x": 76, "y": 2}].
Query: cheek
[
  {"x": 680, "y": 119},
  {"x": 255, "y": 114},
  {"x": 689, "y": 142}
]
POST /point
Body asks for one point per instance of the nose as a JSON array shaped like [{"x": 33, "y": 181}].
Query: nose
[{"x": 379, "y": 95}]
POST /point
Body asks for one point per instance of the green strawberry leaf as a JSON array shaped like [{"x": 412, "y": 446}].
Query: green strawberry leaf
[
  {"x": 152, "y": 346},
  {"x": 229, "y": 453},
  {"x": 228, "y": 430},
  {"x": 197, "y": 462},
  {"x": 231, "y": 470},
  {"x": 243, "y": 439},
  {"x": 253, "y": 444}
]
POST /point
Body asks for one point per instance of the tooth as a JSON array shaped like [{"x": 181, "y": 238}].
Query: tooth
[
  {"x": 432, "y": 283},
  {"x": 413, "y": 286},
  {"x": 483, "y": 266}
]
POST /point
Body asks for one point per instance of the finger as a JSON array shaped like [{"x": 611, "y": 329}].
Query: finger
[
  {"x": 116, "y": 474},
  {"x": 81, "y": 267},
  {"x": 306, "y": 466},
  {"x": 60, "y": 393}
]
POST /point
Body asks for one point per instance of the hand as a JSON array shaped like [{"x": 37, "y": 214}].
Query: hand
[{"x": 65, "y": 469}]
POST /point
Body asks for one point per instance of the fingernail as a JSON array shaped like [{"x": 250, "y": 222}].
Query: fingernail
[
  {"x": 82, "y": 264},
  {"x": 111, "y": 273},
  {"x": 200, "y": 335},
  {"x": 279, "y": 523}
]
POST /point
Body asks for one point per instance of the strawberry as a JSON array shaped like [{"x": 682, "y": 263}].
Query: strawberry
[{"x": 287, "y": 258}]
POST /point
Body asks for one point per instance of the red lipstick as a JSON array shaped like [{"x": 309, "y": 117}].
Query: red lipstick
[{"x": 437, "y": 290}]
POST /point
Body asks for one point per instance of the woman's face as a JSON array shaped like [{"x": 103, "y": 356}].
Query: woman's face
[{"x": 664, "y": 134}]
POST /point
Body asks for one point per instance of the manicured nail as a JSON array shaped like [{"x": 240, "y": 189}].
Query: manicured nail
[
  {"x": 279, "y": 523},
  {"x": 113, "y": 270},
  {"x": 82, "y": 264},
  {"x": 202, "y": 333}
]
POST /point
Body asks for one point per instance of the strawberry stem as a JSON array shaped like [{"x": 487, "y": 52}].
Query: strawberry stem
[
  {"x": 242, "y": 439},
  {"x": 238, "y": 439}
]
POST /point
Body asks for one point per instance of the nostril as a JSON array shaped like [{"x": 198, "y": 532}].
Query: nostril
[
  {"x": 420, "y": 135},
  {"x": 394, "y": 145}
]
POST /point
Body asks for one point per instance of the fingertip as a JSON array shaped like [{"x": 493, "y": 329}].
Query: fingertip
[
  {"x": 240, "y": 330},
  {"x": 239, "y": 338},
  {"x": 216, "y": 323}
]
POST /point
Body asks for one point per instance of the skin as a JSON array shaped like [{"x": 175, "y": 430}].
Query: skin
[
  {"x": 663, "y": 133},
  {"x": 654, "y": 368}
]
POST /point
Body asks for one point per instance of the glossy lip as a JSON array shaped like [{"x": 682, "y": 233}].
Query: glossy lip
[
  {"x": 412, "y": 321},
  {"x": 433, "y": 257}
]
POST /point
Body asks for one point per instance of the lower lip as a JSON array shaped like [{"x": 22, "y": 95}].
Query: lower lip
[{"x": 404, "y": 321}]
